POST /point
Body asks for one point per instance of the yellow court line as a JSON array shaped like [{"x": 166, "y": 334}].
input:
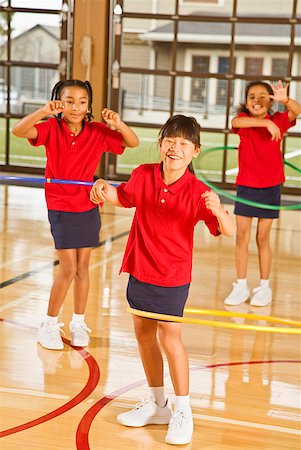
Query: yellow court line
[{"x": 212, "y": 323}]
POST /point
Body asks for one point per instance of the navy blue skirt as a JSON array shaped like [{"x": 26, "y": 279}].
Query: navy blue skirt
[
  {"x": 268, "y": 196},
  {"x": 75, "y": 230},
  {"x": 156, "y": 299}
]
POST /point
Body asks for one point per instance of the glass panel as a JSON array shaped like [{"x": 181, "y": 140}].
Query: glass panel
[
  {"x": 53, "y": 4},
  {"x": 198, "y": 96},
  {"x": 210, "y": 165},
  {"x": 21, "y": 153},
  {"x": 2, "y": 140},
  {"x": 295, "y": 93},
  {"x": 3, "y": 36},
  {"x": 255, "y": 59},
  {"x": 31, "y": 87},
  {"x": 35, "y": 38},
  {"x": 296, "y": 67},
  {"x": 292, "y": 156},
  {"x": 149, "y": 6},
  {"x": 196, "y": 38},
  {"x": 205, "y": 7},
  {"x": 148, "y": 151},
  {"x": 145, "y": 98},
  {"x": 143, "y": 45},
  {"x": 262, "y": 8}
]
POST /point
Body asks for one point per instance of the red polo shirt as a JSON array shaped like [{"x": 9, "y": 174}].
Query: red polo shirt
[
  {"x": 71, "y": 157},
  {"x": 259, "y": 158},
  {"x": 160, "y": 244}
]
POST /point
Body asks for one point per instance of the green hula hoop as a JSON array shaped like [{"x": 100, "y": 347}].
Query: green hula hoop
[{"x": 236, "y": 198}]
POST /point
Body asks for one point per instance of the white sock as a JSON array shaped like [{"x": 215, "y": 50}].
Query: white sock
[
  {"x": 182, "y": 402},
  {"x": 78, "y": 317},
  {"x": 159, "y": 395},
  {"x": 51, "y": 319},
  {"x": 264, "y": 282},
  {"x": 241, "y": 282}
]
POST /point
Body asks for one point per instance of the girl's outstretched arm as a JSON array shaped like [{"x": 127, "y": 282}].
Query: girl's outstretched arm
[
  {"x": 251, "y": 122},
  {"x": 103, "y": 191},
  {"x": 112, "y": 118},
  {"x": 226, "y": 224}
]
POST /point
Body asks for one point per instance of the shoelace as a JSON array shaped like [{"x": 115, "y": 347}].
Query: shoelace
[
  {"x": 55, "y": 327},
  {"x": 259, "y": 288},
  {"x": 178, "y": 418},
  {"x": 80, "y": 326},
  {"x": 145, "y": 399}
]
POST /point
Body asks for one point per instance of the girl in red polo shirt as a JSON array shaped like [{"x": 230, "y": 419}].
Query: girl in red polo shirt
[
  {"x": 74, "y": 146},
  {"x": 259, "y": 179},
  {"x": 169, "y": 202}
]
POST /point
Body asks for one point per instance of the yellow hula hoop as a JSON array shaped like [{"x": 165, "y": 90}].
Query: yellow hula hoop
[{"x": 215, "y": 323}]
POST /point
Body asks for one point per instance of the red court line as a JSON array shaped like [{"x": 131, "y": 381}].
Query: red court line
[
  {"x": 94, "y": 375},
  {"x": 82, "y": 434}
]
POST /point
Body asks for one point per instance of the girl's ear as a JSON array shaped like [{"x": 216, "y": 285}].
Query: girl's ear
[{"x": 196, "y": 152}]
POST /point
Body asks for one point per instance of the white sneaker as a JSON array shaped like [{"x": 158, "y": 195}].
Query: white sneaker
[
  {"x": 146, "y": 412},
  {"x": 238, "y": 295},
  {"x": 79, "y": 333},
  {"x": 49, "y": 335},
  {"x": 262, "y": 296},
  {"x": 180, "y": 427}
]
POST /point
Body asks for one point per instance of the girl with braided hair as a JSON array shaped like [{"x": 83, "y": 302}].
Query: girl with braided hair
[{"x": 74, "y": 146}]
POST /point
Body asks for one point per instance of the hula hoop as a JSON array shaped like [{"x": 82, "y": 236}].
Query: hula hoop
[
  {"x": 218, "y": 324},
  {"x": 49, "y": 180},
  {"x": 234, "y": 197}
]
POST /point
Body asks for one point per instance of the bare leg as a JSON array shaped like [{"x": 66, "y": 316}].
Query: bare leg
[
  {"x": 264, "y": 248},
  {"x": 81, "y": 281},
  {"x": 242, "y": 243},
  {"x": 61, "y": 284},
  {"x": 150, "y": 353},
  {"x": 171, "y": 341}
]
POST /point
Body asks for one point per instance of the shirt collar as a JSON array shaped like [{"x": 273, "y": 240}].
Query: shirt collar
[
  {"x": 178, "y": 185},
  {"x": 85, "y": 132}
]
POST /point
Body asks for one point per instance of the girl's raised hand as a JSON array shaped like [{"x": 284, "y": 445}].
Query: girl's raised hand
[
  {"x": 111, "y": 117},
  {"x": 99, "y": 191},
  {"x": 53, "y": 107},
  {"x": 212, "y": 202},
  {"x": 280, "y": 92}
]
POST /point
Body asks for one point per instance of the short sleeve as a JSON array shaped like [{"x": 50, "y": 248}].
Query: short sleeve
[
  {"x": 111, "y": 140},
  {"x": 236, "y": 130},
  {"x": 127, "y": 191},
  {"x": 208, "y": 217},
  {"x": 43, "y": 129}
]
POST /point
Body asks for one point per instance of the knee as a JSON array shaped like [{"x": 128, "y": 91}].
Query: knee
[
  {"x": 82, "y": 271},
  {"x": 170, "y": 342},
  {"x": 262, "y": 239},
  {"x": 68, "y": 272}
]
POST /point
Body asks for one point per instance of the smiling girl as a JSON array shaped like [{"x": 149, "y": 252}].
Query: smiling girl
[
  {"x": 74, "y": 146},
  {"x": 259, "y": 179},
  {"x": 169, "y": 202}
]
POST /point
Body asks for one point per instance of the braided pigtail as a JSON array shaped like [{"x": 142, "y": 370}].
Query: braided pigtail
[
  {"x": 90, "y": 95},
  {"x": 55, "y": 95}
]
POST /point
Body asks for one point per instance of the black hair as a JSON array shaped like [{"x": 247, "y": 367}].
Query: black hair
[
  {"x": 58, "y": 88},
  {"x": 242, "y": 107},
  {"x": 182, "y": 126}
]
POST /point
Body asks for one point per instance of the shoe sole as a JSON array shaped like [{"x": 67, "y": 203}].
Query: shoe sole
[
  {"x": 50, "y": 348},
  {"x": 264, "y": 304},
  {"x": 178, "y": 441},
  {"x": 79, "y": 345},
  {"x": 163, "y": 421}
]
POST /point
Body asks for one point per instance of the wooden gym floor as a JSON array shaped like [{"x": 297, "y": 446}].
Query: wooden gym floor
[{"x": 245, "y": 385}]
